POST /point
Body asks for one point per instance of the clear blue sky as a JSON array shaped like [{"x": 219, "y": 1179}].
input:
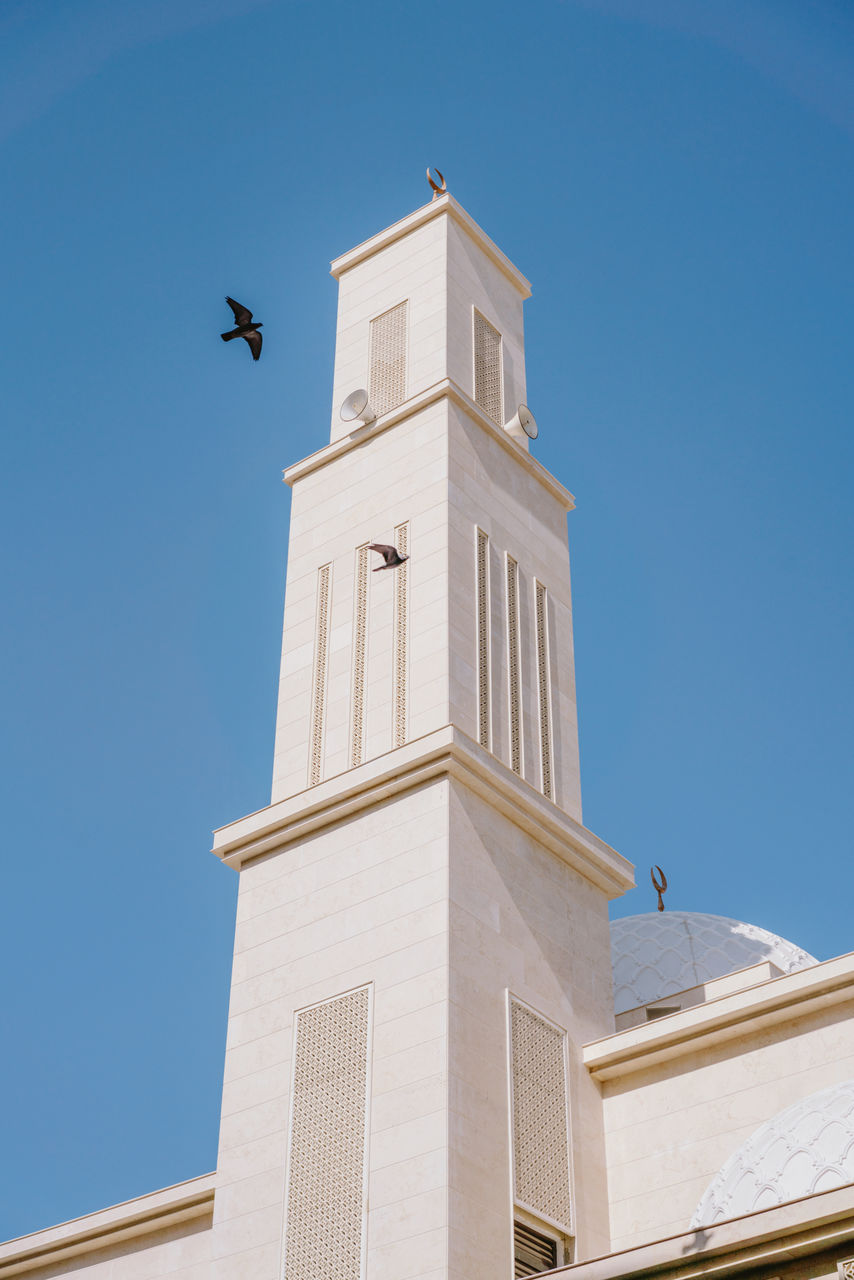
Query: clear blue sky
[{"x": 676, "y": 178}]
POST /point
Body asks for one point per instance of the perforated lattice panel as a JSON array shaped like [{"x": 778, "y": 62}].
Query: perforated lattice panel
[
  {"x": 543, "y": 689},
  {"x": 318, "y": 695},
  {"x": 401, "y": 625},
  {"x": 387, "y": 381},
  {"x": 487, "y": 368},
  {"x": 482, "y": 571},
  {"x": 540, "y": 1117},
  {"x": 326, "y": 1179},
  {"x": 360, "y": 636},
  {"x": 514, "y": 689},
  {"x": 845, "y": 1269}
]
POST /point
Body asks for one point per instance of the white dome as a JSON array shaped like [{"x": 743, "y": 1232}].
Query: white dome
[
  {"x": 809, "y": 1147},
  {"x": 657, "y": 954}
]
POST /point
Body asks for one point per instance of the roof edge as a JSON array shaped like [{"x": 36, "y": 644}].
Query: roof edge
[
  {"x": 104, "y": 1227},
  {"x": 445, "y": 204}
]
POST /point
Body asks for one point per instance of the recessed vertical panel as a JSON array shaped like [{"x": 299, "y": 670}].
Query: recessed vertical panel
[
  {"x": 326, "y": 1194},
  {"x": 514, "y": 690},
  {"x": 321, "y": 662},
  {"x": 544, "y": 689},
  {"x": 541, "y": 1170},
  {"x": 487, "y": 368},
  {"x": 387, "y": 380},
  {"x": 360, "y": 655},
  {"x": 482, "y": 605},
  {"x": 401, "y": 639}
]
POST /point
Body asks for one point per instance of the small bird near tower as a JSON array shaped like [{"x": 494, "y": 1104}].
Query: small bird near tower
[
  {"x": 245, "y": 328},
  {"x": 390, "y": 555}
]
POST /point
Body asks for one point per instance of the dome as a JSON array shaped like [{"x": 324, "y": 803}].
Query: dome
[
  {"x": 663, "y": 952},
  {"x": 809, "y": 1147}
]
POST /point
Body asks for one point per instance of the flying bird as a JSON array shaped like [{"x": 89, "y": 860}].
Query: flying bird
[
  {"x": 391, "y": 555},
  {"x": 245, "y": 328}
]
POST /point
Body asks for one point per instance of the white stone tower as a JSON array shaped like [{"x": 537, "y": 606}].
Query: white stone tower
[{"x": 422, "y": 940}]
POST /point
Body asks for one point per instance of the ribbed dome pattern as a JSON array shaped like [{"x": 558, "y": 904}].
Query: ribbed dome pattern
[
  {"x": 663, "y": 952},
  {"x": 809, "y": 1147}
]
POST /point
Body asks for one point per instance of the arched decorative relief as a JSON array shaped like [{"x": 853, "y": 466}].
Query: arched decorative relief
[{"x": 807, "y": 1148}]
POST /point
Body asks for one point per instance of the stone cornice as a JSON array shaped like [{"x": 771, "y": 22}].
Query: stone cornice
[
  {"x": 768, "y": 1238},
  {"x": 445, "y": 753},
  {"x": 722, "y": 1019},
  {"x": 446, "y": 389},
  {"x": 446, "y": 205},
  {"x": 138, "y": 1217}
]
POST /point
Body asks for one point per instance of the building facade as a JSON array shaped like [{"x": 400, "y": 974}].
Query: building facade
[{"x": 442, "y": 1063}]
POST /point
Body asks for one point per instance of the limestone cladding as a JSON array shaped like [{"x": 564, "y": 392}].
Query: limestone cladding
[
  {"x": 521, "y": 922},
  {"x": 474, "y": 281},
  {"x": 488, "y": 489},
  {"x": 414, "y": 270},
  {"x": 670, "y": 1126},
  {"x": 441, "y": 263},
  {"x": 445, "y": 474},
  {"x": 363, "y": 901},
  {"x": 165, "y": 1233},
  {"x": 182, "y": 1252},
  {"x": 397, "y": 478}
]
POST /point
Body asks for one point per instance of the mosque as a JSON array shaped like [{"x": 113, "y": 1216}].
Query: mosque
[{"x": 442, "y": 1063}]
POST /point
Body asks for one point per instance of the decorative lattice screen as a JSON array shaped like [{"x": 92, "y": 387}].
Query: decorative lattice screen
[
  {"x": 387, "y": 381},
  {"x": 514, "y": 687},
  {"x": 540, "y": 1117},
  {"x": 482, "y": 573},
  {"x": 543, "y": 689},
  {"x": 326, "y": 1177},
  {"x": 360, "y": 638},
  {"x": 318, "y": 695},
  {"x": 487, "y": 368},
  {"x": 401, "y": 625}
]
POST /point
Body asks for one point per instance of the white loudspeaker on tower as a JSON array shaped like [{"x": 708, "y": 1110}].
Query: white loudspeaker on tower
[
  {"x": 522, "y": 424},
  {"x": 356, "y": 408}
]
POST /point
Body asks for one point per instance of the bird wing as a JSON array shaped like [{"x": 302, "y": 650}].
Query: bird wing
[
  {"x": 388, "y": 553},
  {"x": 254, "y": 340},
  {"x": 242, "y": 315}
]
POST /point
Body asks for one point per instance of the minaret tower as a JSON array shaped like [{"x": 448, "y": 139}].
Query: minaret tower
[{"x": 422, "y": 937}]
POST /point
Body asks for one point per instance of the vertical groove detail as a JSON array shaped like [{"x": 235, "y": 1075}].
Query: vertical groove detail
[
  {"x": 482, "y": 574},
  {"x": 487, "y": 368},
  {"x": 543, "y": 690},
  {"x": 514, "y": 698},
  {"x": 318, "y": 696},
  {"x": 326, "y": 1178},
  {"x": 360, "y": 636},
  {"x": 540, "y": 1116},
  {"x": 387, "y": 378},
  {"x": 401, "y": 622}
]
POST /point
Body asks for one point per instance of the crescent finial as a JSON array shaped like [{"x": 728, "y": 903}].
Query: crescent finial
[
  {"x": 659, "y": 885},
  {"x": 437, "y": 189}
]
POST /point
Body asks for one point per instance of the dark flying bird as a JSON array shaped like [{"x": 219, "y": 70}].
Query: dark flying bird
[
  {"x": 391, "y": 555},
  {"x": 245, "y": 328}
]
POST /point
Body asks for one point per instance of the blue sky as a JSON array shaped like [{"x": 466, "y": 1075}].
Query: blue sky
[{"x": 676, "y": 179}]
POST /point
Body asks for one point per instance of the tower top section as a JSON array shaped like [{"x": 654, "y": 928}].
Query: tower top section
[
  {"x": 441, "y": 206},
  {"x": 431, "y": 298}
]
